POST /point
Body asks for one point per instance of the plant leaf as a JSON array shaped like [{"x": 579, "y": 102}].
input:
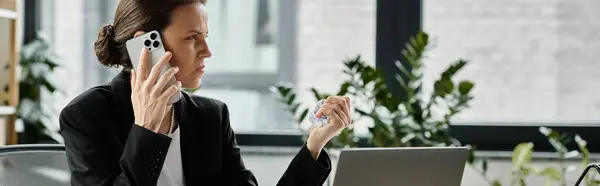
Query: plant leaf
[
  {"x": 551, "y": 173},
  {"x": 471, "y": 157},
  {"x": 48, "y": 85},
  {"x": 572, "y": 154},
  {"x": 496, "y": 183},
  {"x": 585, "y": 153},
  {"x": 344, "y": 89},
  {"x": 522, "y": 154},
  {"x": 303, "y": 115},
  {"x": 291, "y": 99},
  {"x": 464, "y": 87},
  {"x": 316, "y": 93},
  {"x": 453, "y": 69}
]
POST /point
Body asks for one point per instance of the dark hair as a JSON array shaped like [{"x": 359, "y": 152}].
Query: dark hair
[{"x": 132, "y": 16}]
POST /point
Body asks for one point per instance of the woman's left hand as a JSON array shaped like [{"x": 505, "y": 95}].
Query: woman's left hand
[{"x": 337, "y": 110}]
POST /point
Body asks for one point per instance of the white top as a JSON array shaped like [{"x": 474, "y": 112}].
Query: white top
[{"x": 172, "y": 173}]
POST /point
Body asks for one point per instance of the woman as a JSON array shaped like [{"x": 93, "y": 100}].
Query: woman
[{"x": 126, "y": 133}]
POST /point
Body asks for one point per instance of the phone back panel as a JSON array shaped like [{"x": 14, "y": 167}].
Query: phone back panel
[
  {"x": 135, "y": 45},
  {"x": 152, "y": 42}
]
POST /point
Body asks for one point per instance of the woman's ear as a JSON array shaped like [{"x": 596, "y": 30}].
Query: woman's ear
[{"x": 139, "y": 33}]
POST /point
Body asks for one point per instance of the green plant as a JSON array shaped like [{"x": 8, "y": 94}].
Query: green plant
[
  {"x": 585, "y": 160},
  {"x": 555, "y": 174},
  {"x": 288, "y": 96},
  {"x": 37, "y": 63},
  {"x": 420, "y": 119}
]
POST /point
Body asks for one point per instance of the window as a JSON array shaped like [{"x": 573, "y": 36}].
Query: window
[
  {"x": 532, "y": 61},
  {"x": 259, "y": 43},
  {"x": 250, "y": 53},
  {"x": 255, "y": 44}
]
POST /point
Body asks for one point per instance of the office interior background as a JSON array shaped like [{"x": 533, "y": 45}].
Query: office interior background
[{"x": 533, "y": 64}]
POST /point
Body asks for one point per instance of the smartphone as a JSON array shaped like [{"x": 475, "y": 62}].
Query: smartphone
[{"x": 153, "y": 43}]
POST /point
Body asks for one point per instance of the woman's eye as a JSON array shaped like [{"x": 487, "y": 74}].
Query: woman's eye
[{"x": 192, "y": 37}]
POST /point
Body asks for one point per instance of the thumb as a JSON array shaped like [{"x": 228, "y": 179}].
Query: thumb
[{"x": 319, "y": 113}]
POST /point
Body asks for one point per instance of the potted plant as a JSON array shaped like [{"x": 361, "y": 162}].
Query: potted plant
[
  {"x": 421, "y": 119},
  {"x": 37, "y": 63},
  {"x": 522, "y": 167}
]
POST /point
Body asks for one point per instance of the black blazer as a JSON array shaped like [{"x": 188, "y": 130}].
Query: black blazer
[{"x": 105, "y": 147}]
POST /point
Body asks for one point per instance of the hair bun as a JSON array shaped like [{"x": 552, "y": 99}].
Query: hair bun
[
  {"x": 106, "y": 48},
  {"x": 108, "y": 30}
]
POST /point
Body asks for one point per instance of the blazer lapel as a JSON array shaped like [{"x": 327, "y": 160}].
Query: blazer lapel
[{"x": 195, "y": 162}]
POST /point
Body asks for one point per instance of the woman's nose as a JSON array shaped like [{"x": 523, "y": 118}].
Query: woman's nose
[{"x": 205, "y": 50}]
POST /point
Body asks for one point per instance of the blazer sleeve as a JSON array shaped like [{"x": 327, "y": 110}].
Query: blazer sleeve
[
  {"x": 94, "y": 162},
  {"x": 303, "y": 170}
]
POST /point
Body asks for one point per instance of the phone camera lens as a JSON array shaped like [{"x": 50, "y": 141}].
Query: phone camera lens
[
  {"x": 153, "y": 36},
  {"x": 147, "y": 43},
  {"x": 155, "y": 44}
]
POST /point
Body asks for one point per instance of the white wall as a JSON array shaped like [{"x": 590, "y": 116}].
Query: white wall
[{"x": 269, "y": 166}]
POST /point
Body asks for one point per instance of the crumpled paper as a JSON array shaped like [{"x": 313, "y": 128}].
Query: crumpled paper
[{"x": 317, "y": 121}]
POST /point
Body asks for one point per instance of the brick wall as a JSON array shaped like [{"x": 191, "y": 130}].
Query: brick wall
[{"x": 532, "y": 60}]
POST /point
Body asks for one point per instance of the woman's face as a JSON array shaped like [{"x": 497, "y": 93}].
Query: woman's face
[{"x": 185, "y": 38}]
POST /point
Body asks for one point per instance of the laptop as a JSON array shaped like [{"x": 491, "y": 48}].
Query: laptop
[{"x": 419, "y": 166}]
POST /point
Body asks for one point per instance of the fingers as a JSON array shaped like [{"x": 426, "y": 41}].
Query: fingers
[
  {"x": 132, "y": 81},
  {"x": 142, "y": 72},
  {"x": 348, "y": 103},
  {"x": 340, "y": 101},
  {"x": 160, "y": 85},
  {"x": 157, "y": 69},
  {"x": 336, "y": 115},
  {"x": 334, "y": 111},
  {"x": 142, "y": 65},
  {"x": 171, "y": 91},
  {"x": 325, "y": 109}
]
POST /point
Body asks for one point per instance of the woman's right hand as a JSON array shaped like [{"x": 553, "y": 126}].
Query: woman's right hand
[{"x": 149, "y": 92}]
